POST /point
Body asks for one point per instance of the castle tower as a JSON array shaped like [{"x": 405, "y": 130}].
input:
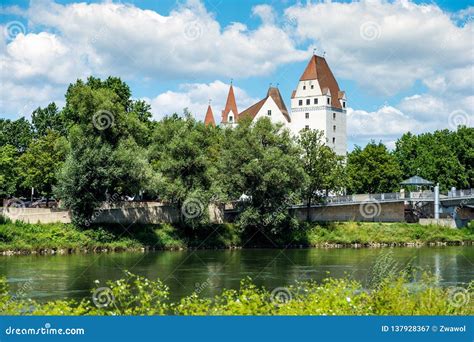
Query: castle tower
[
  {"x": 230, "y": 115},
  {"x": 318, "y": 103},
  {"x": 209, "y": 119}
]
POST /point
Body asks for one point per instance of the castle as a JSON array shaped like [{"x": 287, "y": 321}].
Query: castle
[{"x": 316, "y": 103}]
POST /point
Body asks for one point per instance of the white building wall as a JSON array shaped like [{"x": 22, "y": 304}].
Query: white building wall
[
  {"x": 321, "y": 115},
  {"x": 276, "y": 114}
]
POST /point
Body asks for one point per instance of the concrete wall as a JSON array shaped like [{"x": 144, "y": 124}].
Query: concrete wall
[
  {"x": 122, "y": 213},
  {"x": 366, "y": 212},
  {"x": 35, "y": 215}
]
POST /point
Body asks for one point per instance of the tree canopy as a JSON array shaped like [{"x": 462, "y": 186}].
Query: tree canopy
[{"x": 103, "y": 145}]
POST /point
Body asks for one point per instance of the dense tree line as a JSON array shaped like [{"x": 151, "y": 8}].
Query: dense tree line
[{"x": 104, "y": 145}]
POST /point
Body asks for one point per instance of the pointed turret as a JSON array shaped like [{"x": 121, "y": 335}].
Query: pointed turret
[
  {"x": 209, "y": 119},
  {"x": 318, "y": 70},
  {"x": 230, "y": 114}
]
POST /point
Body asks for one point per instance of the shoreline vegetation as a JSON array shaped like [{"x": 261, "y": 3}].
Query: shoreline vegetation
[
  {"x": 397, "y": 293},
  {"x": 18, "y": 238}
]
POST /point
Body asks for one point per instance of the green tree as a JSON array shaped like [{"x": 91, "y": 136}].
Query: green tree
[
  {"x": 8, "y": 172},
  {"x": 18, "y": 133},
  {"x": 105, "y": 159},
  {"x": 372, "y": 169},
  {"x": 47, "y": 119},
  {"x": 324, "y": 170},
  {"x": 183, "y": 155},
  {"x": 39, "y": 165},
  {"x": 443, "y": 156},
  {"x": 261, "y": 161}
]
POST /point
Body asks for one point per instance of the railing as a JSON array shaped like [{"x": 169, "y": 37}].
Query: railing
[
  {"x": 394, "y": 196},
  {"x": 461, "y": 193}
]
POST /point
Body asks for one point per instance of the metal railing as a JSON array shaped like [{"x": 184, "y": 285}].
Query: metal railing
[{"x": 394, "y": 196}]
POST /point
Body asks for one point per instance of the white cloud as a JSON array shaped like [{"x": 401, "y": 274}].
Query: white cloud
[
  {"x": 79, "y": 39},
  {"x": 385, "y": 46},
  {"x": 195, "y": 97},
  {"x": 188, "y": 43},
  {"x": 385, "y": 122}
]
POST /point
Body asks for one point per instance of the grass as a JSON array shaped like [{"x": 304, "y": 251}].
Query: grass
[
  {"x": 23, "y": 237},
  {"x": 389, "y": 233},
  {"x": 135, "y": 295}
]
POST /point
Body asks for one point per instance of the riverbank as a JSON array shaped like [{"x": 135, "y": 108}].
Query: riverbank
[
  {"x": 22, "y": 238},
  {"x": 135, "y": 295}
]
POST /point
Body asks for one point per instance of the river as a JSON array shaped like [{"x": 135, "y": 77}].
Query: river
[{"x": 209, "y": 271}]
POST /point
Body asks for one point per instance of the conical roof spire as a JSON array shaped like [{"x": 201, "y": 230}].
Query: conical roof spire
[
  {"x": 230, "y": 105},
  {"x": 209, "y": 119},
  {"x": 318, "y": 70}
]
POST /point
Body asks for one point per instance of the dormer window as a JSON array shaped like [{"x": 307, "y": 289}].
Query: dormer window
[
  {"x": 231, "y": 118},
  {"x": 329, "y": 100},
  {"x": 343, "y": 104},
  {"x": 269, "y": 113}
]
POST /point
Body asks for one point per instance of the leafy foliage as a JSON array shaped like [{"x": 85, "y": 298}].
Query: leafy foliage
[
  {"x": 442, "y": 157},
  {"x": 39, "y": 165},
  {"x": 135, "y": 295},
  {"x": 372, "y": 169},
  {"x": 324, "y": 170},
  {"x": 262, "y": 162}
]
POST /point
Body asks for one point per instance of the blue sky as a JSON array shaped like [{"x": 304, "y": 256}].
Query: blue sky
[{"x": 405, "y": 65}]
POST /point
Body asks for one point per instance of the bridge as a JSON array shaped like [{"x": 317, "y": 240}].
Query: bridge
[{"x": 454, "y": 208}]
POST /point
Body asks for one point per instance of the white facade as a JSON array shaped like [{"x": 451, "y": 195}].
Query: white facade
[
  {"x": 313, "y": 108},
  {"x": 310, "y": 110},
  {"x": 270, "y": 110},
  {"x": 316, "y": 103}
]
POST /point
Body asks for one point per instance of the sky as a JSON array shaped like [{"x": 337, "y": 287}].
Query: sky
[{"x": 404, "y": 65}]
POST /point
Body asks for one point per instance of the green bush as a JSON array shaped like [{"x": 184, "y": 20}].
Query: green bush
[{"x": 135, "y": 295}]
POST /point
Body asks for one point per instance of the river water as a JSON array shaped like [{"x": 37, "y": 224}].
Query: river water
[{"x": 209, "y": 271}]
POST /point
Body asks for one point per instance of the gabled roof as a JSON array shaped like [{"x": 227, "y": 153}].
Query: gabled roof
[
  {"x": 318, "y": 69},
  {"x": 274, "y": 93},
  {"x": 230, "y": 105},
  {"x": 416, "y": 180},
  {"x": 209, "y": 119},
  {"x": 276, "y": 96},
  {"x": 253, "y": 109}
]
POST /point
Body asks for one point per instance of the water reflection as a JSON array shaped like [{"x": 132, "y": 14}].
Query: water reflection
[{"x": 208, "y": 272}]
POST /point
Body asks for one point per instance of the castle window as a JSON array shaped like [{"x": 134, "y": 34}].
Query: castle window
[
  {"x": 304, "y": 87},
  {"x": 343, "y": 104},
  {"x": 269, "y": 113},
  {"x": 334, "y": 128},
  {"x": 329, "y": 100},
  {"x": 306, "y": 127},
  {"x": 315, "y": 101},
  {"x": 333, "y": 140},
  {"x": 306, "y": 115},
  {"x": 308, "y": 102},
  {"x": 300, "y": 102},
  {"x": 334, "y": 116}
]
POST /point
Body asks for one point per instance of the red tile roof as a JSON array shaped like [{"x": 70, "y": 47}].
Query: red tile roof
[
  {"x": 318, "y": 69},
  {"x": 230, "y": 105},
  {"x": 274, "y": 93},
  {"x": 209, "y": 119}
]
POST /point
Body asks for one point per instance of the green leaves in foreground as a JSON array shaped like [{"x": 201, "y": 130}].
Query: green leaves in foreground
[{"x": 135, "y": 295}]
